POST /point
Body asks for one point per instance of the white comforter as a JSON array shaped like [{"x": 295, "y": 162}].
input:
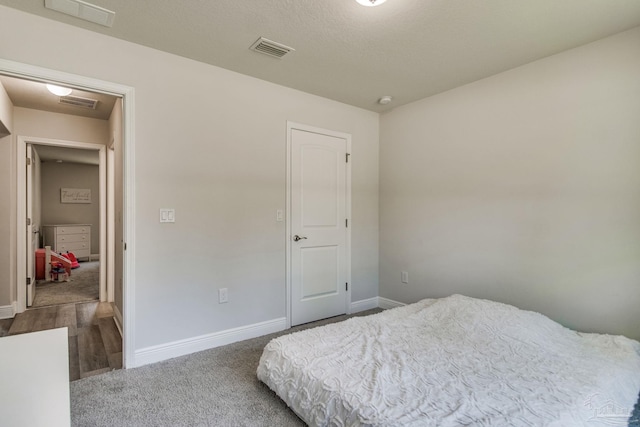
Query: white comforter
[{"x": 452, "y": 362}]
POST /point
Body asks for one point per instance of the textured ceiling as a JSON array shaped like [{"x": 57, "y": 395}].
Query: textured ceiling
[{"x": 409, "y": 49}]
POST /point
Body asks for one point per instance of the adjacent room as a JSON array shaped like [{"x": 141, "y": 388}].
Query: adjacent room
[
  {"x": 447, "y": 183},
  {"x": 64, "y": 194}
]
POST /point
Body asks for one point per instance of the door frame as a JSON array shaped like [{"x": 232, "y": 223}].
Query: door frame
[
  {"x": 288, "y": 286},
  {"x": 30, "y": 261},
  {"x": 22, "y": 194},
  {"x": 45, "y": 75}
]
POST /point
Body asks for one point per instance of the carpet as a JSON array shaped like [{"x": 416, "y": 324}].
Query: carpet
[
  {"x": 634, "y": 421},
  {"x": 216, "y": 387},
  {"x": 83, "y": 285}
]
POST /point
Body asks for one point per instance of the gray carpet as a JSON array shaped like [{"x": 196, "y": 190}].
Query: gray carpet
[
  {"x": 634, "y": 420},
  {"x": 83, "y": 285},
  {"x": 216, "y": 387}
]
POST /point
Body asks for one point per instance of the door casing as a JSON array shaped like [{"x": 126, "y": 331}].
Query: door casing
[
  {"x": 23, "y": 194},
  {"x": 288, "y": 245},
  {"x": 26, "y": 71}
]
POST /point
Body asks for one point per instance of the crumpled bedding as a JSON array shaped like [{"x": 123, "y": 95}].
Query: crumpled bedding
[{"x": 453, "y": 361}]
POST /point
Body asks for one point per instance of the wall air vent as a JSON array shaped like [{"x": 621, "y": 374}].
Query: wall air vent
[
  {"x": 77, "y": 101},
  {"x": 271, "y": 48}
]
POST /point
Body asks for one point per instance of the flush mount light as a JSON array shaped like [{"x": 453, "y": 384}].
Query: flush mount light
[
  {"x": 58, "y": 90},
  {"x": 371, "y": 2},
  {"x": 385, "y": 100}
]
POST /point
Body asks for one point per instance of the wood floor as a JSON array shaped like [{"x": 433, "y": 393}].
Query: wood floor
[{"x": 95, "y": 344}]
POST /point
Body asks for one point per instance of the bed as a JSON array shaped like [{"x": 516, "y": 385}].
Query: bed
[{"x": 450, "y": 362}]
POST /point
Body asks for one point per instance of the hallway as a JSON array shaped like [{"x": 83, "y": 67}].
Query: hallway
[{"x": 95, "y": 344}]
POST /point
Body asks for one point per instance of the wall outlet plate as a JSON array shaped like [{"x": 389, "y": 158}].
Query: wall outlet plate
[{"x": 223, "y": 295}]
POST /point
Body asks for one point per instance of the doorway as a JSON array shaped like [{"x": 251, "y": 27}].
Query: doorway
[
  {"x": 124, "y": 285},
  {"x": 66, "y": 223},
  {"x": 318, "y": 229}
]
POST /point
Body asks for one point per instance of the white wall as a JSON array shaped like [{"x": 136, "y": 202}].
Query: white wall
[
  {"x": 71, "y": 175},
  {"x": 6, "y": 113},
  {"x": 522, "y": 188},
  {"x": 7, "y": 195},
  {"x": 211, "y": 144},
  {"x": 44, "y": 124}
]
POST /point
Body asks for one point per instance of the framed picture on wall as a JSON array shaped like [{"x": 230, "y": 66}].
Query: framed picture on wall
[{"x": 75, "y": 195}]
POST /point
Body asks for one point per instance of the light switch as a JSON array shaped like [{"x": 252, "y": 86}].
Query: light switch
[
  {"x": 167, "y": 215},
  {"x": 279, "y": 215},
  {"x": 404, "y": 277}
]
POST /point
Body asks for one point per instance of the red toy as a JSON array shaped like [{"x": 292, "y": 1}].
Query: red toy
[{"x": 71, "y": 257}]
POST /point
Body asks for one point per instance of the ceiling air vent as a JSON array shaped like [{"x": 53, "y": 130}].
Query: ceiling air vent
[
  {"x": 83, "y": 10},
  {"x": 77, "y": 101},
  {"x": 271, "y": 48}
]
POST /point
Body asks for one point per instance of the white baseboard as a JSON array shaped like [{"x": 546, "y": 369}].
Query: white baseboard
[
  {"x": 8, "y": 311},
  {"x": 161, "y": 352},
  {"x": 386, "y": 303},
  {"x": 117, "y": 316},
  {"x": 364, "y": 304}
]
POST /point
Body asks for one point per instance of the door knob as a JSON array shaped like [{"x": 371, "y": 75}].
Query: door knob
[{"x": 296, "y": 238}]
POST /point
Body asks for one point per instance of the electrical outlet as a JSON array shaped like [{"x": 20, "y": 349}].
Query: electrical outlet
[
  {"x": 405, "y": 277},
  {"x": 223, "y": 295}
]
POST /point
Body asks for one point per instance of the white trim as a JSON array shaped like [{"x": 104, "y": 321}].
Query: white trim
[
  {"x": 386, "y": 303},
  {"x": 287, "y": 232},
  {"x": 102, "y": 170},
  {"x": 20, "y": 70},
  {"x": 129, "y": 218},
  {"x": 204, "y": 342},
  {"x": 111, "y": 222},
  {"x": 21, "y": 193},
  {"x": 349, "y": 220},
  {"x": 364, "y": 304},
  {"x": 347, "y": 138},
  {"x": 117, "y": 316},
  {"x": 8, "y": 311}
]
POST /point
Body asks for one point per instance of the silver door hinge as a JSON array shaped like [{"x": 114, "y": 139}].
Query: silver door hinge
[
  {"x": 28, "y": 161},
  {"x": 347, "y": 157},
  {"x": 346, "y": 223},
  {"x": 346, "y": 286},
  {"x": 28, "y": 281},
  {"x": 28, "y": 221}
]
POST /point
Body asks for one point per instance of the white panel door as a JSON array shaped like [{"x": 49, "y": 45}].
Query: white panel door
[
  {"x": 318, "y": 226},
  {"x": 32, "y": 244}
]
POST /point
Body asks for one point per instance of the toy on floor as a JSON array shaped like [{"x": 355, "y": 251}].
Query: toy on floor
[
  {"x": 58, "y": 273},
  {"x": 44, "y": 259},
  {"x": 71, "y": 257}
]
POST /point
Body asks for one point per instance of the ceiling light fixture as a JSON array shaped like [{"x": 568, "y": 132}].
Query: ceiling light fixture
[
  {"x": 385, "y": 100},
  {"x": 371, "y": 2},
  {"x": 59, "y": 90}
]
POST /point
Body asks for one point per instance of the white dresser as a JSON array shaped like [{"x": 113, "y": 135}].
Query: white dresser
[{"x": 64, "y": 238}]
